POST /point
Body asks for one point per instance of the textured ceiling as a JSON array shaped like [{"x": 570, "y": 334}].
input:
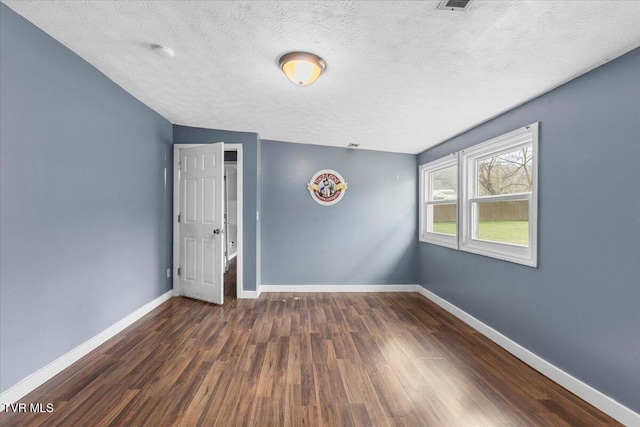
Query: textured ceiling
[{"x": 401, "y": 76}]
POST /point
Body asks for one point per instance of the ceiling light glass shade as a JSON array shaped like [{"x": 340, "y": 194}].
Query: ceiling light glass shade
[{"x": 302, "y": 68}]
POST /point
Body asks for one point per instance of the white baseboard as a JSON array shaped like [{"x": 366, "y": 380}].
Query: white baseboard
[
  {"x": 38, "y": 378},
  {"x": 601, "y": 401},
  {"x": 248, "y": 294},
  {"x": 338, "y": 288},
  {"x": 327, "y": 288}
]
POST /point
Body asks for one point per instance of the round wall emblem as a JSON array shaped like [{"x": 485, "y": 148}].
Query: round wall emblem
[{"x": 327, "y": 187}]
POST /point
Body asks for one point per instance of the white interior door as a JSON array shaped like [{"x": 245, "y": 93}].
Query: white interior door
[{"x": 201, "y": 222}]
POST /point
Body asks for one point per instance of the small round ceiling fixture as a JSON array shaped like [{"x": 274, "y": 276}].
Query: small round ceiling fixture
[
  {"x": 162, "y": 51},
  {"x": 302, "y": 68}
]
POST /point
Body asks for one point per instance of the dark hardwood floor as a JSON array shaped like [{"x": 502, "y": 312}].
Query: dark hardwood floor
[{"x": 392, "y": 359}]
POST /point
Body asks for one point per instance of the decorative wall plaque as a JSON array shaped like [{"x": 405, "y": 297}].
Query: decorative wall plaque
[{"x": 327, "y": 187}]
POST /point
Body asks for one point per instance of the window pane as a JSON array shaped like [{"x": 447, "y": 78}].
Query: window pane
[
  {"x": 502, "y": 222},
  {"x": 441, "y": 219},
  {"x": 506, "y": 174},
  {"x": 444, "y": 184}
]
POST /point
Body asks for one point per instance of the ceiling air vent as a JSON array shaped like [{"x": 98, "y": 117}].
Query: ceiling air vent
[
  {"x": 352, "y": 145},
  {"x": 455, "y": 5}
]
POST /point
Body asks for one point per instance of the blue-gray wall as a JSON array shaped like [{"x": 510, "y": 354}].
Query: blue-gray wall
[
  {"x": 250, "y": 152},
  {"x": 85, "y": 216},
  {"x": 369, "y": 237},
  {"x": 580, "y": 310}
]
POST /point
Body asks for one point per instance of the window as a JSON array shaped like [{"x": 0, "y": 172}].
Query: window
[
  {"x": 497, "y": 214},
  {"x": 439, "y": 202},
  {"x": 499, "y": 197}
]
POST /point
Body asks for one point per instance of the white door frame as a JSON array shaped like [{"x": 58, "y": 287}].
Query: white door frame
[
  {"x": 234, "y": 165},
  {"x": 176, "y": 209}
]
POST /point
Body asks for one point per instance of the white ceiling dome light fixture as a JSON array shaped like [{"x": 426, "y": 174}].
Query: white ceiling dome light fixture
[
  {"x": 162, "y": 51},
  {"x": 302, "y": 68}
]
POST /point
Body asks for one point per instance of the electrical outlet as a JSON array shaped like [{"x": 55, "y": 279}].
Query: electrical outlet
[{"x": 168, "y": 272}]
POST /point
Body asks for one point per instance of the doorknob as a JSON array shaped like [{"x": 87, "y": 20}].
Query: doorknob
[{"x": 217, "y": 231}]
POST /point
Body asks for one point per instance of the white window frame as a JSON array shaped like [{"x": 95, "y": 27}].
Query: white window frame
[
  {"x": 425, "y": 200},
  {"x": 466, "y": 162},
  {"x": 468, "y": 195}
]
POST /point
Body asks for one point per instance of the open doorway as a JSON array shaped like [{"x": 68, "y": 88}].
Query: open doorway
[
  {"x": 230, "y": 223},
  {"x": 232, "y": 230}
]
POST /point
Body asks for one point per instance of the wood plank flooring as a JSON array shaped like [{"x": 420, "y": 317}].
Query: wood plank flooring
[{"x": 392, "y": 359}]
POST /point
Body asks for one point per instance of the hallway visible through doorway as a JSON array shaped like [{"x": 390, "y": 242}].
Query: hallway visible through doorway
[{"x": 230, "y": 289}]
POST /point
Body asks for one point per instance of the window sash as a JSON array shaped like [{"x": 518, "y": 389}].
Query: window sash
[
  {"x": 501, "y": 198},
  {"x": 475, "y": 222},
  {"x": 442, "y": 202},
  {"x": 429, "y": 185},
  {"x": 426, "y": 170},
  {"x": 426, "y": 230}
]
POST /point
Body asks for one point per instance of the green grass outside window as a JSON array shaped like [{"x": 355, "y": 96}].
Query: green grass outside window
[{"x": 514, "y": 232}]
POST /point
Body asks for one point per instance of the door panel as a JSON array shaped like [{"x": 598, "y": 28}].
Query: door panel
[
  {"x": 191, "y": 201},
  {"x": 209, "y": 201},
  {"x": 208, "y": 272},
  {"x": 190, "y": 258},
  {"x": 202, "y": 222}
]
